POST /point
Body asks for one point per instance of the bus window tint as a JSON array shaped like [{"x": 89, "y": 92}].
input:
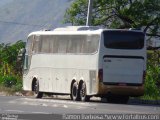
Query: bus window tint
[
  {"x": 48, "y": 44},
  {"x": 62, "y": 44},
  {"x": 83, "y": 44},
  {"x": 123, "y": 39},
  {"x": 45, "y": 44},
  {"x": 35, "y": 45},
  {"x": 75, "y": 43},
  {"x": 91, "y": 44},
  {"x": 53, "y": 44},
  {"x": 29, "y": 45}
]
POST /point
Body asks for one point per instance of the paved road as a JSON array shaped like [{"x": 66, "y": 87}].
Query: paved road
[{"x": 23, "y": 105}]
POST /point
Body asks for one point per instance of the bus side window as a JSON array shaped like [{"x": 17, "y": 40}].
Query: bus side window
[
  {"x": 54, "y": 44},
  {"x": 93, "y": 43},
  {"x": 45, "y": 45},
  {"x": 75, "y": 44},
  {"x": 35, "y": 48},
  {"x": 62, "y": 44},
  {"x": 90, "y": 44},
  {"x": 29, "y": 45},
  {"x": 26, "y": 62}
]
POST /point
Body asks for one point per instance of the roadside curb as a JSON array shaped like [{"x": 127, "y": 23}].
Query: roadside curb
[{"x": 140, "y": 101}]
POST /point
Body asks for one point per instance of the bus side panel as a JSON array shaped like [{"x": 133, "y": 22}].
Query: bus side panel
[
  {"x": 93, "y": 82},
  {"x": 56, "y": 72}
]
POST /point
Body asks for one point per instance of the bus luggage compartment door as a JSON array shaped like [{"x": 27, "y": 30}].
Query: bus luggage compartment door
[{"x": 123, "y": 70}]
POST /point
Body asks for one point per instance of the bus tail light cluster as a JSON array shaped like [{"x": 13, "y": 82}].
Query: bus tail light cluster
[{"x": 100, "y": 75}]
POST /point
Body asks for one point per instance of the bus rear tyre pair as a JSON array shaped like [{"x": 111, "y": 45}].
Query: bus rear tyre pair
[
  {"x": 36, "y": 92},
  {"x": 74, "y": 92},
  {"x": 79, "y": 92},
  {"x": 83, "y": 92}
]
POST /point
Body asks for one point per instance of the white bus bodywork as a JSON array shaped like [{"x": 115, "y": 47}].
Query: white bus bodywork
[{"x": 104, "y": 71}]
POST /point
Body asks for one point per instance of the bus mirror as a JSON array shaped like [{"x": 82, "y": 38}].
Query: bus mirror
[{"x": 21, "y": 54}]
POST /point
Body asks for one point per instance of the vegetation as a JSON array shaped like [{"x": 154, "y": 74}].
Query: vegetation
[
  {"x": 118, "y": 14},
  {"x": 10, "y": 68},
  {"x": 152, "y": 83},
  {"x": 108, "y": 13},
  {"x": 144, "y": 14}
]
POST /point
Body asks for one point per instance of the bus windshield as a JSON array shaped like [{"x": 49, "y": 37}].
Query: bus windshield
[{"x": 117, "y": 39}]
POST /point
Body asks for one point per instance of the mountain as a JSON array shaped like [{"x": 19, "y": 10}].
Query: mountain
[
  {"x": 20, "y": 17},
  {"x": 4, "y": 2}
]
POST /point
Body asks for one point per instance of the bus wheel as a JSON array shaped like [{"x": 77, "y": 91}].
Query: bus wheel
[
  {"x": 74, "y": 92},
  {"x": 83, "y": 92},
  {"x": 37, "y": 94}
]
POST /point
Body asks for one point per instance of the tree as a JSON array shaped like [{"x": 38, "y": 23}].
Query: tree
[
  {"x": 144, "y": 14},
  {"x": 118, "y": 14},
  {"x": 8, "y": 57}
]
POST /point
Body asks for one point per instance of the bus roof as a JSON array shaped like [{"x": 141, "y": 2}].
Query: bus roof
[
  {"x": 69, "y": 30},
  {"x": 78, "y": 28}
]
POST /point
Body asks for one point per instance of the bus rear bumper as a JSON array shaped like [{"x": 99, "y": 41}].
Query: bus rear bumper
[{"x": 121, "y": 90}]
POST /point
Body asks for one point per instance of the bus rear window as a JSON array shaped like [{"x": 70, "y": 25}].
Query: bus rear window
[{"x": 123, "y": 39}]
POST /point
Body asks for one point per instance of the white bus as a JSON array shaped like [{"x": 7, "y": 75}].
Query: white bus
[{"x": 86, "y": 61}]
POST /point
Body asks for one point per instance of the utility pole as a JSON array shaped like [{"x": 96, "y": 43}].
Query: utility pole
[{"x": 89, "y": 14}]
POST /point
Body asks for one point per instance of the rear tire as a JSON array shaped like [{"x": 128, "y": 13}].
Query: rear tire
[
  {"x": 37, "y": 94},
  {"x": 83, "y": 92},
  {"x": 74, "y": 92}
]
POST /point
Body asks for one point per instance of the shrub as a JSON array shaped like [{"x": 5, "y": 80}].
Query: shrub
[
  {"x": 152, "y": 91},
  {"x": 18, "y": 86},
  {"x": 9, "y": 81},
  {"x": 10, "y": 84},
  {"x": 1, "y": 80}
]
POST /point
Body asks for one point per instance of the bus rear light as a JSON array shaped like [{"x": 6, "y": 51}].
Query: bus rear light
[
  {"x": 144, "y": 76},
  {"x": 100, "y": 75}
]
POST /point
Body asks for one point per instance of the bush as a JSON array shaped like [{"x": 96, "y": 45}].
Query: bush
[
  {"x": 10, "y": 84},
  {"x": 18, "y": 86},
  {"x": 152, "y": 90},
  {"x": 9, "y": 81},
  {"x": 1, "y": 80}
]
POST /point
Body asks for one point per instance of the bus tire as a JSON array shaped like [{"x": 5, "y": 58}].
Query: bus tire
[
  {"x": 83, "y": 92},
  {"x": 74, "y": 92},
  {"x": 37, "y": 93}
]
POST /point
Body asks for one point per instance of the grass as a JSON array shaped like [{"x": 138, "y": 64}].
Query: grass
[
  {"x": 147, "y": 97},
  {"x": 10, "y": 85},
  {"x": 11, "y": 90}
]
